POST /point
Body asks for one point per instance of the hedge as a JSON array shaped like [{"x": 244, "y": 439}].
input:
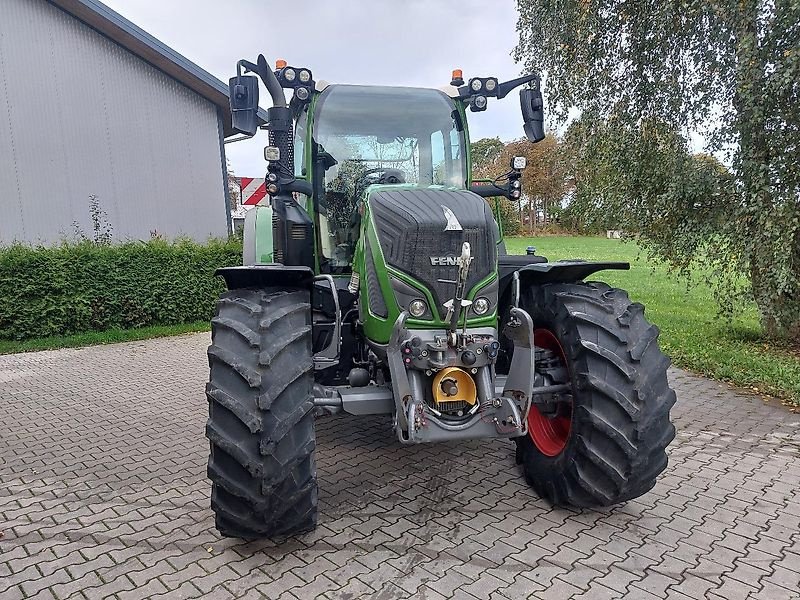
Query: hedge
[{"x": 85, "y": 286}]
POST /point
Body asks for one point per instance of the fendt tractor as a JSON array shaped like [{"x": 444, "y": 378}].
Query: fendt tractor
[{"x": 376, "y": 281}]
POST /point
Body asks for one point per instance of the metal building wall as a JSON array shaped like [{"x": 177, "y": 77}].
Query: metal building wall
[{"x": 80, "y": 116}]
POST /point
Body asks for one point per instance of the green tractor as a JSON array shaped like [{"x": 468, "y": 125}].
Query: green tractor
[{"x": 377, "y": 282}]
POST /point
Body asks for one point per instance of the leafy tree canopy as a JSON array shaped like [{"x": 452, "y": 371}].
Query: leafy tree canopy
[
  {"x": 543, "y": 181},
  {"x": 485, "y": 153},
  {"x": 645, "y": 74}
]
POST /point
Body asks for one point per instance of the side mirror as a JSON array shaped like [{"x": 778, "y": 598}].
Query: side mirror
[
  {"x": 243, "y": 91},
  {"x": 532, "y": 106}
]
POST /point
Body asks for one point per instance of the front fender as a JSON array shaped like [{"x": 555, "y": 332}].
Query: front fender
[
  {"x": 270, "y": 275},
  {"x": 562, "y": 271}
]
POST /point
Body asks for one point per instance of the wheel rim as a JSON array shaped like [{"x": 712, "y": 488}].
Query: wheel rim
[{"x": 550, "y": 434}]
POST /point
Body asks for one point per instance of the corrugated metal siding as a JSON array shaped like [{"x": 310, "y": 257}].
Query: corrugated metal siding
[{"x": 79, "y": 116}]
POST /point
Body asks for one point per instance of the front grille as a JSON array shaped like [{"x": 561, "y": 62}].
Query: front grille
[{"x": 411, "y": 229}]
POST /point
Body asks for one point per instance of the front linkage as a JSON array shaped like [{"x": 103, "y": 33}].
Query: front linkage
[
  {"x": 457, "y": 360},
  {"x": 416, "y": 355}
]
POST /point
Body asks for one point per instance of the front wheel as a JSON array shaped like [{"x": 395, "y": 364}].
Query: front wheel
[
  {"x": 260, "y": 420},
  {"x": 604, "y": 441}
]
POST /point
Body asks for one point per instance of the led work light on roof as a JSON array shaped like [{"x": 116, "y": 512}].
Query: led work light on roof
[
  {"x": 289, "y": 74},
  {"x": 477, "y": 103},
  {"x": 302, "y": 93},
  {"x": 304, "y": 76},
  {"x": 476, "y": 85}
]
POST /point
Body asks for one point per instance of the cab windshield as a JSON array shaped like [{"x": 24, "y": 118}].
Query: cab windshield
[{"x": 365, "y": 135}]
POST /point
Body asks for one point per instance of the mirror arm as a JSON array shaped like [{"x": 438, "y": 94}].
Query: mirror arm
[
  {"x": 490, "y": 191},
  {"x": 248, "y": 67},
  {"x": 465, "y": 93},
  {"x": 504, "y": 88}
]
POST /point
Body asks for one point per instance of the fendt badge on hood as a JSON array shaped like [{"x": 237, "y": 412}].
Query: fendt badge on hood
[{"x": 442, "y": 261}]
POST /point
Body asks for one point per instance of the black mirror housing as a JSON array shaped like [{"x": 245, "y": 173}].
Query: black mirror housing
[
  {"x": 243, "y": 94},
  {"x": 532, "y": 105}
]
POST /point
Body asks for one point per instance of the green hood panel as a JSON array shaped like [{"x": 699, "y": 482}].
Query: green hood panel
[{"x": 414, "y": 235}]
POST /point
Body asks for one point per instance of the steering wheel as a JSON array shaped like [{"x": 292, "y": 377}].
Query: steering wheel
[{"x": 388, "y": 175}]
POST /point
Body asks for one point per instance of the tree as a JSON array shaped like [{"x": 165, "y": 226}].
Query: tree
[
  {"x": 543, "y": 181},
  {"x": 486, "y": 154},
  {"x": 728, "y": 69},
  {"x": 645, "y": 180}
]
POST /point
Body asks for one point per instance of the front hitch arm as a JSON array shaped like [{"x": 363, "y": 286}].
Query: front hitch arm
[
  {"x": 401, "y": 387},
  {"x": 519, "y": 383}
]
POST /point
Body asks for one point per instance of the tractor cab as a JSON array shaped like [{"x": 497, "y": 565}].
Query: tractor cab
[{"x": 353, "y": 137}]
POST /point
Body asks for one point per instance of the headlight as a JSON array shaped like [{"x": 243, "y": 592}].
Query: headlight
[
  {"x": 481, "y": 306},
  {"x": 302, "y": 93},
  {"x": 476, "y": 85},
  {"x": 417, "y": 308},
  {"x": 480, "y": 102},
  {"x": 490, "y": 85},
  {"x": 289, "y": 74},
  {"x": 305, "y": 75}
]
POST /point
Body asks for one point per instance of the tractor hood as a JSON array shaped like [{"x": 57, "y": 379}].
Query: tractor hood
[{"x": 421, "y": 231}]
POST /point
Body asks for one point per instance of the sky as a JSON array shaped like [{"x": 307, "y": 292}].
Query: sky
[{"x": 381, "y": 42}]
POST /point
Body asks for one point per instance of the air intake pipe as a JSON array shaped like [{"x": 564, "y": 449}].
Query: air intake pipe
[{"x": 292, "y": 227}]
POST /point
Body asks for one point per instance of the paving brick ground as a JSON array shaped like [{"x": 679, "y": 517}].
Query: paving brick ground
[{"x": 103, "y": 493}]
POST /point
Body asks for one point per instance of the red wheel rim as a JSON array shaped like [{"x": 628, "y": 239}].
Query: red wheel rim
[{"x": 550, "y": 434}]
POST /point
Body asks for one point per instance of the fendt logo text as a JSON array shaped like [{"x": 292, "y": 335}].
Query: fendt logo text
[{"x": 442, "y": 261}]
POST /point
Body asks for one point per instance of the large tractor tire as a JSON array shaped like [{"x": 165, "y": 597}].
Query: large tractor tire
[
  {"x": 604, "y": 442},
  {"x": 260, "y": 420}
]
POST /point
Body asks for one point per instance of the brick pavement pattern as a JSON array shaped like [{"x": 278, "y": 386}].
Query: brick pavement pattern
[{"x": 103, "y": 494}]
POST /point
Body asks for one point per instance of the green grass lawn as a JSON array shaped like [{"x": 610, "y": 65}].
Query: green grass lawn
[{"x": 691, "y": 332}]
